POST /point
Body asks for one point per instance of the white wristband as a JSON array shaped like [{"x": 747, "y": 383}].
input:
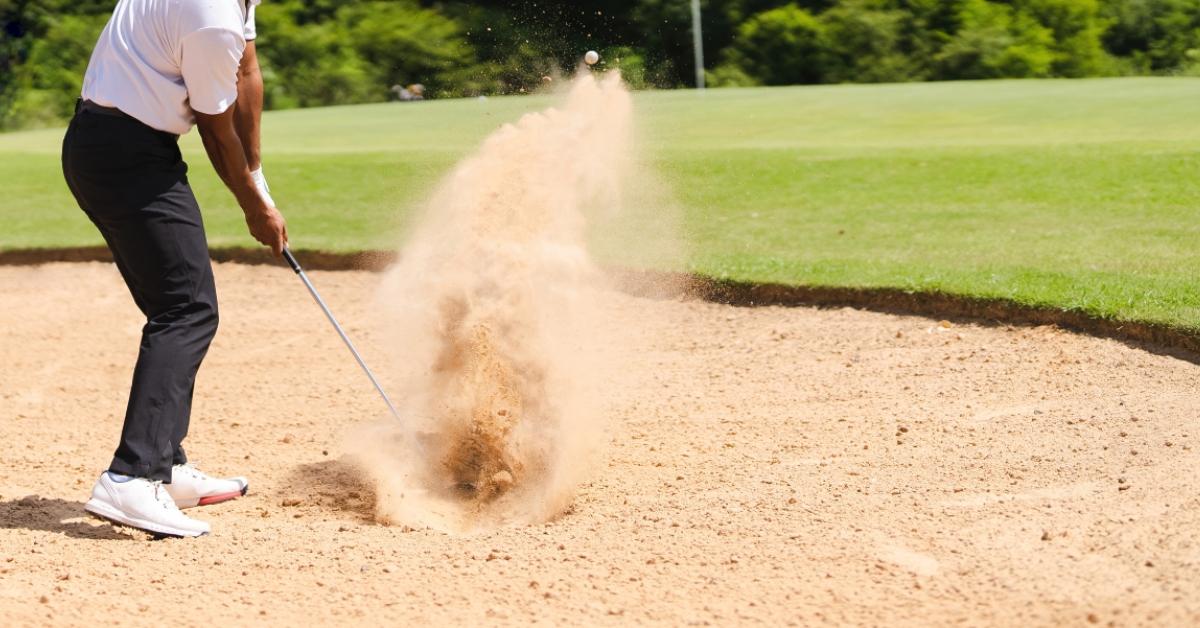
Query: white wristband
[{"x": 260, "y": 182}]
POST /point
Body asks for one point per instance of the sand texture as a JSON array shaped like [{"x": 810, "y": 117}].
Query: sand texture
[{"x": 779, "y": 466}]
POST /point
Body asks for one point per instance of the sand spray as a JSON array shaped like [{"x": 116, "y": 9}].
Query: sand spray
[{"x": 492, "y": 312}]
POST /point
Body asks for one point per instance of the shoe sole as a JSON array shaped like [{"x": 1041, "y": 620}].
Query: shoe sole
[
  {"x": 209, "y": 500},
  {"x": 112, "y": 515}
]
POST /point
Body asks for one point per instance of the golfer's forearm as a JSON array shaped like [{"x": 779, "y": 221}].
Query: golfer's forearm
[
  {"x": 228, "y": 158},
  {"x": 247, "y": 113}
]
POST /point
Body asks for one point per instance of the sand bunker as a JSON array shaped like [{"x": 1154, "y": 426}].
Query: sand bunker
[
  {"x": 765, "y": 466},
  {"x": 491, "y": 311}
]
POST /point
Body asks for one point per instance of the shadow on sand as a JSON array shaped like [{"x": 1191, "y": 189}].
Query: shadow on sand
[{"x": 56, "y": 515}]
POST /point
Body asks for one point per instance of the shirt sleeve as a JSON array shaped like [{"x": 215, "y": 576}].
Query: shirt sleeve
[
  {"x": 211, "y": 57},
  {"x": 251, "y": 30}
]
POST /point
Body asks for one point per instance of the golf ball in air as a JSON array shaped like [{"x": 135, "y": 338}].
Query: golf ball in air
[{"x": 591, "y": 57}]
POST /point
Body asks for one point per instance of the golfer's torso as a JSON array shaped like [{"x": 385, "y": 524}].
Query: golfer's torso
[{"x": 137, "y": 65}]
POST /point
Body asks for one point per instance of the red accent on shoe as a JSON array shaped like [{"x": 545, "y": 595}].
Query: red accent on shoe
[{"x": 216, "y": 499}]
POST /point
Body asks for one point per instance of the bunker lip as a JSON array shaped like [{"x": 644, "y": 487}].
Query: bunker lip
[{"x": 1180, "y": 343}]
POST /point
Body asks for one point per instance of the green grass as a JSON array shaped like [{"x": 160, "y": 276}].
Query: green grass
[{"x": 1082, "y": 195}]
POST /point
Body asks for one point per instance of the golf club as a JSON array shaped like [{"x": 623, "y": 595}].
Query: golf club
[{"x": 291, "y": 260}]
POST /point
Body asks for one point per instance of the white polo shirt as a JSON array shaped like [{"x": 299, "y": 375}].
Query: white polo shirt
[{"x": 157, "y": 60}]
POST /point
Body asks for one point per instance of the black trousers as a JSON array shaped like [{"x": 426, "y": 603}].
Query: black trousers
[{"x": 131, "y": 182}]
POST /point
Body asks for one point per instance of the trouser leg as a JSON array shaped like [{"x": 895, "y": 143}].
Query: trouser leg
[
  {"x": 166, "y": 265},
  {"x": 157, "y": 238}
]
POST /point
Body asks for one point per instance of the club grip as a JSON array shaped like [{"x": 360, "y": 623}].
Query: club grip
[{"x": 291, "y": 260}]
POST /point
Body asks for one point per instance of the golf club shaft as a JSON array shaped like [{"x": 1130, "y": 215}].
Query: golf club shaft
[{"x": 291, "y": 260}]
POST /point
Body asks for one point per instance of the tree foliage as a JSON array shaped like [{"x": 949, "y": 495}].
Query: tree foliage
[
  {"x": 1153, "y": 35},
  {"x": 781, "y": 46},
  {"x": 322, "y": 52}
]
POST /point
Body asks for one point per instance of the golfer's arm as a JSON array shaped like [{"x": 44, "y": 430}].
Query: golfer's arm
[
  {"x": 228, "y": 156},
  {"x": 247, "y": 111}
]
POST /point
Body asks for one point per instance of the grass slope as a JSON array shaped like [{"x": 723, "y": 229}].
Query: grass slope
[{"x": 1082, "y": 195}]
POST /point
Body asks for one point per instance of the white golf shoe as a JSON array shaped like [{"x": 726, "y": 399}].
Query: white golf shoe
[
  {"x": 190, "y": 487},
  {"x": 142, "y": 504}
]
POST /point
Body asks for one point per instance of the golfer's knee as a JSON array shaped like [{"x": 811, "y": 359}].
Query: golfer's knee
[
  {"x": 202, "y": 325},
  {"x": 208, "y": 319},
  {"x": 198, "y": 319}
]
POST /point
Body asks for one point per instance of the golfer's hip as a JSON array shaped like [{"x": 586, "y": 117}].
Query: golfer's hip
[{"x": 116, "y": 165}]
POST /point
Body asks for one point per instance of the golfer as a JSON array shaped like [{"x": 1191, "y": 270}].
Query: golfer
[{"x": 160, "y": 67}]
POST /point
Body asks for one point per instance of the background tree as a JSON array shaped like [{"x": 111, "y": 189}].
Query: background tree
[
  {"x": 864, "y": 42},
  {"x": 996, "y": 41},
  {"x": 1153, "y": 36},
  {"x": 781, "y": 46}
]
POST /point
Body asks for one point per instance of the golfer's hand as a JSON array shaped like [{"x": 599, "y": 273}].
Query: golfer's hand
[{"x": 269, "y": 228}]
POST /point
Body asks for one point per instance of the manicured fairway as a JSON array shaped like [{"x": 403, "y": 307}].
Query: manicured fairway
[{"x": 1082, "y": 195}]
